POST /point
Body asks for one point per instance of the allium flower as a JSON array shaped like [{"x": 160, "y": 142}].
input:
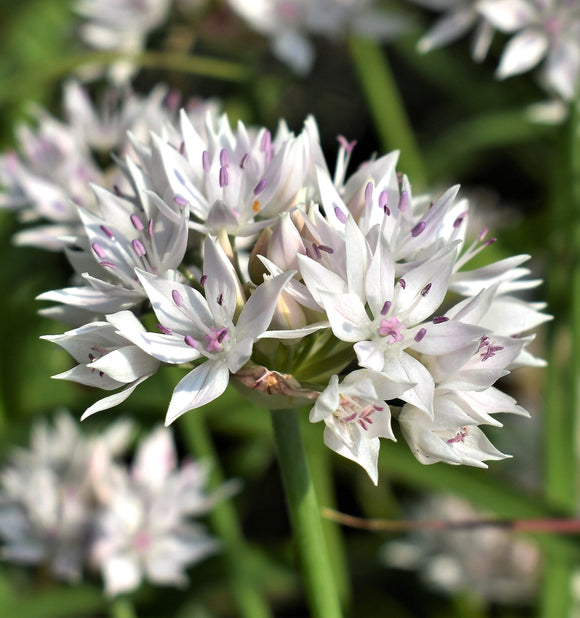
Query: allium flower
[
  {"x": 351, "y": 293},
  {"x": 542, "y": 30},
  {"x": 288, "y": 22},
  {"x": 57, "y": 161},
  {"x": 143, "y": 530},
  {"x": 195, "y": 327},
  {"x": 121, "y": 25},
  {"x": 46, "y": 498},
  {"x": 106, "y": 361},
  {"x": 460, "y": 16},
  {"x": 490, "y": 563}
]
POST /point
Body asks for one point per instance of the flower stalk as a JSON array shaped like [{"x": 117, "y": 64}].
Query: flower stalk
[{"x": 305, "y": 516}]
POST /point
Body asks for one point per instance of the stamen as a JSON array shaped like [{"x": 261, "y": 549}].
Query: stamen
[
  {"x": 203, "y": 280},
  {"x": 136, "y": 223},
  {"x": 260, "y": 186},
  {"x": 108, "y": 232},
  {"x": 339, "y": 214},
  {"x": 106, "y": 264},
  {"x": 220, "y": 299},
  {"x": 420, "y": 335},
  {"x": 459, "y": 220},
  {"x": 316, "y": 251},
  {"x": 439, "y": 319},
  {"x": 403, "y": 201},
  {"x": 205, "y": 161},
  {"x": 150, "y": 227},
  {"x": 348, "y": 146},
  {"x": 190, "y": 341},
  {"x": 326, "y": 249},
  {"x": 386, "y": 307},
  {"x": 98, "y": 250},
  {"x": 138, "y": 247},
  {"x": 224, "y": 177},
  {"x": 403, "y": 283},
  {"x": 426, "y": 289},
  {"x": 369, "y": 193},
  {"x": 177, "y": 298},
  {"x": 180, "y": 200},
  {"x": 164, "y": 329},
  {"x": 256, "y": 205},
  {"x": 459, "y": 436},
  {"x": 224, "y": 157},
  {"x": 244, "y": 161},
  {"x": 418, "y": 229},
  {"x": 383, "y": 199}
]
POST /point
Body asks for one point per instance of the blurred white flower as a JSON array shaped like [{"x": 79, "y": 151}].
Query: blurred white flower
[{"x": 144, "y": 528}]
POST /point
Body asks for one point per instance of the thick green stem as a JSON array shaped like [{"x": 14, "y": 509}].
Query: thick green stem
[
  {"x": 224, "y": 521},
  {"x": 319, "y": 579},
  {"x": 387, "y": 107}
]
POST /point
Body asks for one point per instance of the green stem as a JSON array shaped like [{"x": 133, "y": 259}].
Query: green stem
[
  {"x": 387, "y": 107},
  {"x": 186, "y": 63},
  {"x": 224, "y": 521},
  {"x": 305, "y": 516},
  {"x": 122, "y": 608}
]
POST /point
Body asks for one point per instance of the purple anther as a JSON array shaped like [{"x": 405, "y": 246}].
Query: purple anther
[
  {"x": 369, "y": 193},
  {"x": 316, "y": 251},
  {"x": 205, "y": 161},
  {"x": 177, "y": 298},
  {"x": 266, "y": 141},
  {"x": 339, "y": 214},
  {"x": 386, "y": 307},
  {"x": 107, "y": 264},
  {"x": 420, "y": 335},
  {"x": 383, "y": 200},
  {"x": 426, "y": 289},
  {"x": 489, "y": 241},
  {"x": 439, "y": 319},
  {"x": 182, "y": 148},
  {"x": 138, "y": 247},
  {"x": 348, "y": 146},
  {"x": 260, "y": 186},
  {"x": 91, "y": 357},
  {"x": 224, "y": 157},
  {"x": 403, "y": 200},
  {"x": 203, "y": 280},
  {"x": 190, "y": 341},
  {"x": 326, "y": 249},
  {"x": 220, "y": 299},
  {"x": 459, "y": 220},
  {"x": 136, "y": 223},
  {"x": 99, "y": 250},
  {"x": 224, "y": 177},
  {"x": 117, "y": 191},
  {"x": 164, "y": 329},
  {"x": 180, "y": 200},
  {"x": 244, "y": 161},
  {"x": 402, "y": 283},
  {"x": 418, "y": 229},
  {"x": 222, "y": 334},
  {"x": 107, "y": 231},
  {"x": 307, "y": 253},
  {"x": 150, "y": 227},
  {"x": 483, "y": 234}
]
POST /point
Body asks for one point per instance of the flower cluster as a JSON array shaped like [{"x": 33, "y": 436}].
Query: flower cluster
[
  {"x": 49, "y": 177},
  {"x": 302, "y": 286},
  {"x": 541, "y": 30},
  {"x": 69, "y": 504},
  {"x": 124, "y": 25}
]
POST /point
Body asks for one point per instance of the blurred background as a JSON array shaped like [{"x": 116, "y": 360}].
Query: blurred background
[{"x": 469, "y": 129}]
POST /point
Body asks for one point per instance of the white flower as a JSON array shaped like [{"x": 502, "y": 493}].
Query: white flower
[
  {"x": 46, "y": 499},
  {"x": 356, "y": 415},
  {"x": 106, "y": 360},
  {"x": 460, "y": 17},
  {"x": 143, "y": 529},
  {"x": 195, "y": 327},
  {"x": 547, "y": 29},
  {"x": 288, "y": 22}
]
